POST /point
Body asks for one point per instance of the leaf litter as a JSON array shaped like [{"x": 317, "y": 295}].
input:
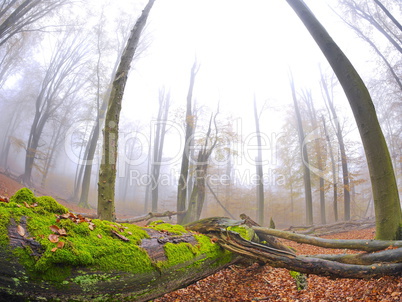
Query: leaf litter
[{"x": 264, "y": 283}]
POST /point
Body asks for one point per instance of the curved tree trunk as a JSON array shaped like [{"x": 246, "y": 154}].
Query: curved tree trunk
[{"x": 385, "y": 191}]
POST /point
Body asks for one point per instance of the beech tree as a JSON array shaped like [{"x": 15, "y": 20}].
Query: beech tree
[
  {"x": 60, "y": 83},
  {"x": 305, "y": 161},
  {"x": 385, "y": 191},
  {"x": 190, "y": 126},
  {"x": 258, "y": 165},
  {"x": 107, "y": 171}
]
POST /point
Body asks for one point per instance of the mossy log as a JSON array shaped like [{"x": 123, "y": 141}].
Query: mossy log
[{"x": 50, "y": 254}]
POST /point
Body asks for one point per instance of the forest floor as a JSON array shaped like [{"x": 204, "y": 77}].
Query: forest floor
[{"x": 255, "y": 283}]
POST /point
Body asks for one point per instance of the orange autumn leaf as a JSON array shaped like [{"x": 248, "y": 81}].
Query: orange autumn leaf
[
  {"x": 53, "y": 238},
  {"x": 26, "y": 204},
  {"x": 54, "y": 249},
  {"x": 60, "y": 244},
  {"x": 54, "y": 228},
  {"x": 21, "y": 231}
]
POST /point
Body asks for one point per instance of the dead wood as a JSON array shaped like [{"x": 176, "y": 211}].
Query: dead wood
[{"x": 356, "y": 244}]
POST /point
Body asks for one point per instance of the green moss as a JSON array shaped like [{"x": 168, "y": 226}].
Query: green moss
[
  {"x": 244, "y": 231},
  {"x": 95, "y": 250},
  {"x": 161, "y": 226},
  {"x": 49, "y": 204},
  {"x": 300, "y": 279},
  {"x": 22, "y": 195}
]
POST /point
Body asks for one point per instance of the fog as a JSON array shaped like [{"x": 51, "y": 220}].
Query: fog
[{"x": 245, "y": 51}]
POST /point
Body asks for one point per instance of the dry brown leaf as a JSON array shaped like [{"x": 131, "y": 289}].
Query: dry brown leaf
[
  {"x": 54, "y": 228},
  {"x": 99, "y": 236},
  {"x": 60, "y": 244},
  {"x": 91, "y": 226},
  {"x": 4, "y": 199},
  {"x": 54, "y": 249},
  {"x": 53, "y": 238},
  {"x": 21, "y": 231},
  {"x": 128, "y": 232},
  {"x": 62, "y": 232},
  {"x": 26, "y": 204}
]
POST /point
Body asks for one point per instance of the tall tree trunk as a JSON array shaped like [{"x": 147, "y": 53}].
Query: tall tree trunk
[
  {"x": 318, "y": 147},
  {"x": 197, "y": 199},
  {"x": 259, "y": 169},
  {"x": 190, "y": 122},
  {"x": 164, "y": 102},
  {"x": 305, "y": 162},
  {"x": 107, "y": 171},
  {"x": 334, "y": 178},
  {"x": 385, "y": 191},
  {"x": 56, "y": 138}
]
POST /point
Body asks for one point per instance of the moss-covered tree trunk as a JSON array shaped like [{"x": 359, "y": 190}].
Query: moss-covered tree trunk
[
  {"x": 50, "y": 254},
  {"x": 107, "y": 171},
  {"x": 385, "y": 191}
]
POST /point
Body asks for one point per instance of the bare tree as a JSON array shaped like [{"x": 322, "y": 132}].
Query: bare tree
[
  {"x": 190, "y": 126},
  {"x": 107, "y": 171},
  {"x": 159, "y": 139},
  {"x": 197, "y": 199},
  {"x": 61, "y": 81},
  {"x": 305, "y": 161},
  {"x": 259, "y": 169},
  {"x": 307, "y": 97},
  {"x": 385, "y": 190}
]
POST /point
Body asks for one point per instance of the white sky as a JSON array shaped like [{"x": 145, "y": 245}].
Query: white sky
[{"x": 244, "y": 47}]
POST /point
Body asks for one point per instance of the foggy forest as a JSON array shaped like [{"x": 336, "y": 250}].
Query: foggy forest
[{"x": 227, "y": 108}]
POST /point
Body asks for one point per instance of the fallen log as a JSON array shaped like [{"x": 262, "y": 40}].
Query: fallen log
[
  {"x": 48, "y": 253},
  {"x": 306, "y": 264},
  {"x": 355, "y": 244}
]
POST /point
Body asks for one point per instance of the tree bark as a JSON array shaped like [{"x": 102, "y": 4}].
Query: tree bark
[
  {"x": 107, "y": 171},
  {"x": 259, "y": 169},
  {"x": 88, "y": 283},
  {"x": 189, "y": 122},
  {"x": 385, "y": 191},
  {"x": 304, "y": 157}
]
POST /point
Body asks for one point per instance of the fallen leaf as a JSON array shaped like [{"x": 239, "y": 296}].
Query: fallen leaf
[
  {"x": 99, "y": 236},
  {"x": 91, "y": 226},
  {"x": 34, "y": 205},
  {"x": 60, "y": 244},
  {"x": 129, "y": 233},
  {"x": 65, "y": 216},
  {"x": 54, "y": 228},
  {"x": 21, "y": 231},
  {"x": 26, "y": 204},
  {"x": 18, "y": 205},
  {"x": 53, "y": 238},
  {"x": 54, "y": 249},
  {"x": 3, "y": 199}
]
